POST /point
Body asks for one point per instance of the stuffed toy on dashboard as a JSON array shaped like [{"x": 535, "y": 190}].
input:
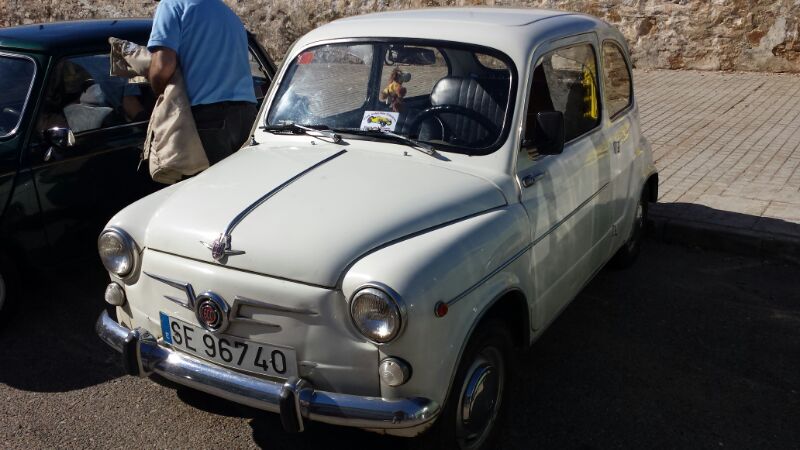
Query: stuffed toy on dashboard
[{"x": 393, "y": 93}]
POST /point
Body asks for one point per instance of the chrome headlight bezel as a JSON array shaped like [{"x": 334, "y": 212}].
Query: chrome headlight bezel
[
  {"x": 129, "y": 246},
  {"x": 392, "y": 299}
]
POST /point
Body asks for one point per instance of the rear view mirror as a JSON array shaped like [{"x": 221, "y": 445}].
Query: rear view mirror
[
  {"x": 60, "y": 137},
  {"x": 416, "y": 56},
  {"x": 549, "y": 133}
]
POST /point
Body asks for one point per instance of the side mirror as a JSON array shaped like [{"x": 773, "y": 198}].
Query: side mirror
[
  {"x": 548, "y": 133},
  {"x": 60, "y": 137}
]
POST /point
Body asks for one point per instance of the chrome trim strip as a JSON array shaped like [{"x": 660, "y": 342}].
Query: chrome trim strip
[
  {"x": 178, "y": 301},
  {"x": 271, "y": 327},
  {"x": 238, "y": 219},
  {"x": 185, "y": 287},
  {"x": 480, "y": 282},
  {"x": 30, "y": 90},
  {"x": 513, "y": 258},
  {"x": 221, "y": 247},
  {"x": 328, "y": 407},
  {"x": 238, "y": 301}
]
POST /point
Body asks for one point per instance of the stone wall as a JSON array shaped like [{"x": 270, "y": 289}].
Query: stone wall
[{"x": 754, "y": 35}]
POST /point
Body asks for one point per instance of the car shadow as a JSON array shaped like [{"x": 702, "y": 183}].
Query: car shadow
[
  {"x": 49, "y": 343},
  {"x": 268, "y": 431}
]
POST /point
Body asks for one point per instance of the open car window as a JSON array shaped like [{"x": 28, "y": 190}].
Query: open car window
[
  {"x": 81, "y": 95},
  {"x": 438, "y": 93}
]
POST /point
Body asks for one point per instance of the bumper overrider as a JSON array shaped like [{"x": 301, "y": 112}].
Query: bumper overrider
[{"x": 295, "y": 400}]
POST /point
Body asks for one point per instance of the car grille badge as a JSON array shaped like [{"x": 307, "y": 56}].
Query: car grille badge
[{"x": 221, "y": 248}]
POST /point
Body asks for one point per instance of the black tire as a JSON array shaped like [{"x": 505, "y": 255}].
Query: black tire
[
  {"x": 627, "y": 254},
  {"x": 487, "y": 360}
]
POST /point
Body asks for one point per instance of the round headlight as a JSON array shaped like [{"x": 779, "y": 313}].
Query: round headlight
[
  {"x": 376, "y": 315},
  {"x": 117, "y": 251}
]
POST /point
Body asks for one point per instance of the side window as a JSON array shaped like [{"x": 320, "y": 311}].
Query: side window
[
  {"x": 17, "y": 74},
  {"x": 83, "y": 96},
  {"x": 423, "y": 67},
  {"x": 260, "y": 78},
  {"x": 565, "y": 80},
  {"x": 617, "y": 79}
]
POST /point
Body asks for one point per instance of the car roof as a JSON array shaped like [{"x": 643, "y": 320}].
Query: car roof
[
  {"x": 59, "y": 37},
  {"x": 512, "y": 31},
  {"x": 466, "y": 16}
]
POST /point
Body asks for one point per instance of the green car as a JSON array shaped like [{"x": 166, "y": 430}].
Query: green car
[{"x": 70, "y": 139}]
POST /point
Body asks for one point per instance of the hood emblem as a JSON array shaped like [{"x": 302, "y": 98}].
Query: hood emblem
[{"x": 221, "y": 248}]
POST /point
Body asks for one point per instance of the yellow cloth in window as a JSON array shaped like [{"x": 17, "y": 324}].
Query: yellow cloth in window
[{"x": 590, "y": 88}]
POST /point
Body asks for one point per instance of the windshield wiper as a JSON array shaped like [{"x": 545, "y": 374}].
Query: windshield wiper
[
  {"x": 377, "y": 132},
  {"x": 317, "y": 131}
]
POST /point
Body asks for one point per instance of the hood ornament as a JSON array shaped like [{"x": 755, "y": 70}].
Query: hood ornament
[{"x": 221, "y": 248}]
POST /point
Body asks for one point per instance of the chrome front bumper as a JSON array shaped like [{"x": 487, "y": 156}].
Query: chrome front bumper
[{"x": 295, "y": 400}]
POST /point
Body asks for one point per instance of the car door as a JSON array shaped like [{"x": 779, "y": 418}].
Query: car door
[
  {"x": 18, "y": 72},
  {"x": 566, "y": 195},
  {"x": 81, "y": 187},
  {"x": 618, "y": 98}
]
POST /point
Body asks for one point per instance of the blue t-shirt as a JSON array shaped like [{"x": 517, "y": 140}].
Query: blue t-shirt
[{"x": 212, "y": 49}]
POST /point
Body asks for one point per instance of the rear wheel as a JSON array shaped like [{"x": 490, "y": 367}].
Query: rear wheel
[
  {"x": 627, "y": 254},
  {"x": 476, "y": 404}
]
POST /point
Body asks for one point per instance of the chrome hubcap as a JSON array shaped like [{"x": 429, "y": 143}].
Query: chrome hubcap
[
  {"x": 638, "y": 225},
  {"x": 639, "y": 214},
  {"x": 480, "y": 399}
]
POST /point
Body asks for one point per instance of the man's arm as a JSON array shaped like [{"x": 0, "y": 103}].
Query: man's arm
[{"x": 162, "y": 67}]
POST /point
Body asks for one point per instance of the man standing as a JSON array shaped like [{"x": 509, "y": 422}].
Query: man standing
[{"x": 209, "y": 42}]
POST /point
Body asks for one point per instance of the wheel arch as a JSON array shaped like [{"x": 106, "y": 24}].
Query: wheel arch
[{"x": 510, "y": 306}]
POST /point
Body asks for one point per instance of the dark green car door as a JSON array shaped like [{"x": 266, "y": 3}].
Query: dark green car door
[
  {"x": 82, "y": 186},
  {"x": 21, "y": 235}
]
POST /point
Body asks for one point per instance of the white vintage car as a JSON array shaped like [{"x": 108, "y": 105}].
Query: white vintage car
[{"x": 425, "y": 192}]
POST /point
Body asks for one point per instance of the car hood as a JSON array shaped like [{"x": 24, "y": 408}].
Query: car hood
[{"x": 308, "y": 214}]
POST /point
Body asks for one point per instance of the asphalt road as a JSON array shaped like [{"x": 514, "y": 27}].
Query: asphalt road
[{"x": 688, "y": 349}]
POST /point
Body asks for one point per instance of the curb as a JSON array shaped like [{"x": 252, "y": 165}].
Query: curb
[{"x": 724, "y": 238}]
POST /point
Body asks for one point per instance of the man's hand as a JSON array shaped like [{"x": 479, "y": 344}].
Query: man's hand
[{"x": 162, "y": 67}]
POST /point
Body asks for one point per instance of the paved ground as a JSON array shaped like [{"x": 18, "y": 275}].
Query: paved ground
[
  {"x": 689, "y": 349},
  {"x": 727, "y": 146}
]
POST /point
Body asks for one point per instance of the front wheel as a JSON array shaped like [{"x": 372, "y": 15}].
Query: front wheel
[
  {"x": 627, "y": 254},
  {"x": 475, "y": 407}
]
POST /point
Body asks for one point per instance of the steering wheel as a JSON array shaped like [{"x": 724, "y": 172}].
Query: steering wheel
[{"x": 437, "y": 110}]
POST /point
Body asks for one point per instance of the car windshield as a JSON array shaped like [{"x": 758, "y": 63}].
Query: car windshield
[
  {"x": 447, "y": 96},
  {"x": 17, "y": 75}
]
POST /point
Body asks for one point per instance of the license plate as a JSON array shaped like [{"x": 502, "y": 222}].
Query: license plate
[{"x": 229, "y": 351}]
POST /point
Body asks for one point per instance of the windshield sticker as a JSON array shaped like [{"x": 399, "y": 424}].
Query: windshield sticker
[{"x": 379, "y": 120}]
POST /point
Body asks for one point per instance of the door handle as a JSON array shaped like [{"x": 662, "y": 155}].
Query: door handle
[
  {"x": 616, "y": 147},
  {"x": 531, "y": 179}
]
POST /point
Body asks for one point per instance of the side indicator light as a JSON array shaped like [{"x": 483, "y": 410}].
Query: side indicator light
[{"x": 441, "y": 309}]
